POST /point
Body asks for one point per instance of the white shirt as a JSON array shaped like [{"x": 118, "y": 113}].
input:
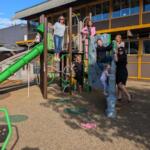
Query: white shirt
[
  {"x": 122, "y": 44},
  {"x": 104, "y": 75},
  {"x": 59, "y": 29}
]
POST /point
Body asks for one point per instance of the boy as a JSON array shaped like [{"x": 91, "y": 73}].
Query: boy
[
  {"x": 78, "y": 68},
  {"x": 102, "y": 54}
]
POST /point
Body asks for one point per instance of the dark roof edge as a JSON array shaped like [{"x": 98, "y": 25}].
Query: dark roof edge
[{"x": 31, "y": 6}]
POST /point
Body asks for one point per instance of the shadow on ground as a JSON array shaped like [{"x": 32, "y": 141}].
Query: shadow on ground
[
  {"x": 4, "y": 96},
  {"x": 132, "y": 122}
]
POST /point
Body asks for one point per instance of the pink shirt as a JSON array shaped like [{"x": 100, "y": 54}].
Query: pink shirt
[{"x": 85, "y": 31}]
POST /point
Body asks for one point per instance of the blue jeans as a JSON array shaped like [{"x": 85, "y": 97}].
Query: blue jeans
[{"x": 58, "y": 43}]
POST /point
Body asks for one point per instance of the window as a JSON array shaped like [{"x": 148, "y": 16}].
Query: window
[
  {"x": 100, "y": 11},
  {"x": 132, "y": 47},
  {"x": 146, "y": 5},
  {"x": 146, "y": 46},
  {"x": 105, "y": 10},
  {"x": 134, "y": 6},
  {"x": 125, "y": 8},
  {"x": 116, "y": 8}
]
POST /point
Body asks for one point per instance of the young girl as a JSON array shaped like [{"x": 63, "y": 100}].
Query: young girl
[
  {"x": 88, "y": 30},
  {"x": 59, "y": 31},
  {"x": 104, "y": 78}
]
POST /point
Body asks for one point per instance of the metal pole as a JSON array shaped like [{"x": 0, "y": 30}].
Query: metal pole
[
  {"x": 28, "y": 75},
  {"x": 70, "y": 46}
]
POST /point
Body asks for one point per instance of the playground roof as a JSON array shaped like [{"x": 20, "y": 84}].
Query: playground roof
[{"x": 41, "y": 8}]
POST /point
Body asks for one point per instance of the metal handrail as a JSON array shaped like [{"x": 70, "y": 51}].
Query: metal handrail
[{"x": 5, "y": 111}]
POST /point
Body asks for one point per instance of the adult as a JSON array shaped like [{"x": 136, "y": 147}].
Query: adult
[
  {"x": 59, "y": 31},
  {"x": 119, "y": 41},
  {"x": 122, "y": 73}
]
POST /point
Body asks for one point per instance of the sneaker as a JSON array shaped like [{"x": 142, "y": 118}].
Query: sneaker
[{"x": 105, "y": 93}]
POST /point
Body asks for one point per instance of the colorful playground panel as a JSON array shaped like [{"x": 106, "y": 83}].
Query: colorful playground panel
[{"x": 94, "y": 70}]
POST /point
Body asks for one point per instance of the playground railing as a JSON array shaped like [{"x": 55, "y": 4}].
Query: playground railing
[{"x": 5, "y": 111}]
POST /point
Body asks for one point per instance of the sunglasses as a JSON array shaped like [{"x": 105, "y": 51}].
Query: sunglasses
[{"x": 62, "y": 19}]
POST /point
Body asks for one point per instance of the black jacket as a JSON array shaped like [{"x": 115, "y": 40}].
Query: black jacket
[{"x": 101, "y": 52}]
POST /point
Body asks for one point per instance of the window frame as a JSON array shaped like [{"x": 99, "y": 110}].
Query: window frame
[
  {"x": 130, "y": 14},
  {"x": 129, "y": 46},
  {"x": 145, "y": 11},
  {"x": 143, "y": 51},
  {"x": 96, "y": 15}
]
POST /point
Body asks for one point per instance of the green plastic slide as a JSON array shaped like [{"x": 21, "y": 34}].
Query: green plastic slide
[{"x": 24, "y": 60}]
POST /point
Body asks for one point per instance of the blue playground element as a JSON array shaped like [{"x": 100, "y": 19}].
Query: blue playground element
[{"x": 95, "y": 71}]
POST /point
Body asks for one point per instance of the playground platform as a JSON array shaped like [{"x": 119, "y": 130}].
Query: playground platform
[{"x": 48, "y": 125}]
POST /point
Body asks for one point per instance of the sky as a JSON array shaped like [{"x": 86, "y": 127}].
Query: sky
[{"x": 9, "y": 7}]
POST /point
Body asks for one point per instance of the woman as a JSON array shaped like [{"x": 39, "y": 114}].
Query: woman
[
  {"x": 59, "y": 31},
  {"x": 119, "y": 41},
  {"x": 122, "y": 73},
  {"x": 88, "y": 31}
]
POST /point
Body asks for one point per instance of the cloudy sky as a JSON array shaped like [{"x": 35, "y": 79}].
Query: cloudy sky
[{"x": 9, "y": 7}]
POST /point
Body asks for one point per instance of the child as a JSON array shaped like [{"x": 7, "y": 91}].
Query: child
[
  {"x": 78, "y": 68},
  {"x": 104, "y": 78},
  {"x": 88, "y": 30},
  {"x": 101, "y": 53}
]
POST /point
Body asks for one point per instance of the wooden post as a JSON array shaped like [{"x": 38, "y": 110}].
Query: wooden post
[
  {"x": 43, "y": 60},
  {"x": 70, "y": 46}
]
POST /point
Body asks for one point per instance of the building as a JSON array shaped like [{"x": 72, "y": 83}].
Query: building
[
  {"x": 10, "y": 52},
  {"x": 12, "y": 34},
  {"x": 131, "y": 18}
]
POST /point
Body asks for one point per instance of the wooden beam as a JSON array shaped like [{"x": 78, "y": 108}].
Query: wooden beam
[{"x": 45, "y": 59}]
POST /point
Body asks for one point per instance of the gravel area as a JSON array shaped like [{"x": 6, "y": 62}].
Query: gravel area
[{"x": 46, "y": 125}]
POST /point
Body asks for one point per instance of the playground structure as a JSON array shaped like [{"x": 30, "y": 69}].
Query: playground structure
[
  {"x": 50, "y": 70},
  {"x": 61, "y": 71}
]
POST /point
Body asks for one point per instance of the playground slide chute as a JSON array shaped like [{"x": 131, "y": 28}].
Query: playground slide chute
[{"x": 37, "y": 50}]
